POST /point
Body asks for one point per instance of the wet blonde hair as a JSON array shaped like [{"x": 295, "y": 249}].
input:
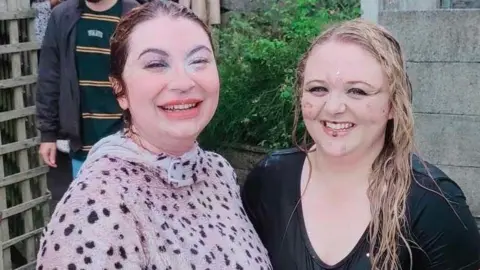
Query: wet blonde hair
[{"x": 391, "y": 176}]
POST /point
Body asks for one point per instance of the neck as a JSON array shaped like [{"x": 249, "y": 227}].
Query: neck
[
  {"x": 171, "y": 147},
  {"x": 101, "y": 5}
]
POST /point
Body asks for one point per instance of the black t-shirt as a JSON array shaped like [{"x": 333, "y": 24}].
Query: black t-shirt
[{"x": 449, "y": 240}]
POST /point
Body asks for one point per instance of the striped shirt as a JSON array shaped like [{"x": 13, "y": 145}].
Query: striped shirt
[{"x": 101, "y": 114}]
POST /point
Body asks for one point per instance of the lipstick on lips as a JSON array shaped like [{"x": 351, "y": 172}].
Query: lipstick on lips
[{"x": 181, "y": 109}]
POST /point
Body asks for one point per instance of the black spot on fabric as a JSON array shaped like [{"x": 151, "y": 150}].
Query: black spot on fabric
[
  {"x": 123, "y": 254},
  {"x": 90, "y": 201},
  {"x": 84, "y": 186},
  {"x": 69, "y": 229},
  {"x": 62, "y": 218},
  {"x": 76, "y": 210},
  {"x": 40, "y": 267},
  {"x": 220, "y": 164},
  {"x": 118, "y": 265},
  {"x": 110, "y": 251},
  {"x": 162, "y": 248},
  {"x": 124, "y": 170},
  {"x": 67, "y": 198},
  {"x": 87, "y": 260},
  {"x": 124, "y": 208},
  {"x": 208, "y": 259},
  {"x": 56, "y": 247},
  {"x": 238, "y": 267},
  {"x": 106, "y": 212},
  {"x": 112, "y": 159},
  {"x": 104, "y": 172},
  {"x": 194, "y": 251},
  {"x": 115, "y": 227},
  {"x": 90, "y": 244},
  {"x": 92, "y": 217},
  {"x": 102, "y": 191},
  {"x": 80, "y": 250},
  {"x": 176, "y": 251},
  {"x": 72, "y": 267}
]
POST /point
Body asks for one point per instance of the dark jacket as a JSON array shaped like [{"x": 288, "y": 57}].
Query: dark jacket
[{"x": 58, "y": 97}]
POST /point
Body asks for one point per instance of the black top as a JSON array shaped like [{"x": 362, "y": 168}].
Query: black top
[{"x": 272, "y": 190}]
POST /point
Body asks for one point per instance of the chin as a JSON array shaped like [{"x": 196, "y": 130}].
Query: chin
[{"x": 335, "y": 148}]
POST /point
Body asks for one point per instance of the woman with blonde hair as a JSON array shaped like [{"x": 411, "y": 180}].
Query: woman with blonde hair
[{"x": 350, "y": 199}]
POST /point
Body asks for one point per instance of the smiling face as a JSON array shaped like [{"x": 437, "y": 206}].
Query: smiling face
[
  {"x": 171, "y": 80},
  {"x": 345, "y": 103}
]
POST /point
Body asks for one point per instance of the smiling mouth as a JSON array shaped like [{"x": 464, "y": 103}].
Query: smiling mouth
[
  {"x": 180, "y": 107},
  {"x": 338, "y": 126}
]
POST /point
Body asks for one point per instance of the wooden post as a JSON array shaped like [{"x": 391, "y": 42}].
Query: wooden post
[
  {"x": 200, "y": 8},
  {"x": 186, "y": 3},
  {"x": 214, "y": 12}
]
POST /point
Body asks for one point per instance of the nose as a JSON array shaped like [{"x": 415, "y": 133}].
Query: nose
[
  {"x": 181, "y": 80},
  {"x": 335, "y": 103}
]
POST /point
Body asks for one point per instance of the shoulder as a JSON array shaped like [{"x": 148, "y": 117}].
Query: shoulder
[
  {"x": 431, "y": 183},
  {"x": 440, "y": 220},
  {"x": 278, "y": 158},
  {"x": 276, "y": 167},
  {"x": 221, "y": 167},
  {"x": 65, "y": 7},
  {"x": 434, "y": 196}
]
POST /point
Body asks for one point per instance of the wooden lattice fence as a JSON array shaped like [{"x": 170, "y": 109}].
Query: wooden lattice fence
[{"x": 23, "y": 187}]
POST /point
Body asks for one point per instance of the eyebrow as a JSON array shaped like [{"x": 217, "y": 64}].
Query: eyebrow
[
  {"x": 348, "y": 82},
  {"x": 164, "y": 53}
]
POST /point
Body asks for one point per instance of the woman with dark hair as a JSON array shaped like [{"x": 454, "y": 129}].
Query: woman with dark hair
[
  {"x": 149, "y": 197},
  {"x": 348, "y": 198}
]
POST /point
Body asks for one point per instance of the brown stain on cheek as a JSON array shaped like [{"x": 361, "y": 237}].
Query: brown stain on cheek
[{"x": 308, "y": 110}]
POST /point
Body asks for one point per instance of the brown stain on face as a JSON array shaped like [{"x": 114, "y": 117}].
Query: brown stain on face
[{"x": 308, "y": 110}]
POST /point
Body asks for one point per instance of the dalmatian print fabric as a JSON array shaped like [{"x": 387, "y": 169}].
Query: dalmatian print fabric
[
  {"x": 130, "y": 209},
  {"x": 42, "y": 14}
]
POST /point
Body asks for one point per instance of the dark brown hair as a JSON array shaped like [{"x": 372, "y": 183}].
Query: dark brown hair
[{"x": 119, "y": 42}]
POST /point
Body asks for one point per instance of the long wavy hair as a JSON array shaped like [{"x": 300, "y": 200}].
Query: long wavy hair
[{"x": 390, "y": 177}]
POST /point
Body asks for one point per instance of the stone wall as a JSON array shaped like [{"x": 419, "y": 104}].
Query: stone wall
[{"x": 442, "y": 50}]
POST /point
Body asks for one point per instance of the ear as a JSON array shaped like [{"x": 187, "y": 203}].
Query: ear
[{"x": 119, "y": 92}]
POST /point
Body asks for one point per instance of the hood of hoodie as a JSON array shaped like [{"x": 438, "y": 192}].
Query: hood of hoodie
[{"x": 180, "y": 171}]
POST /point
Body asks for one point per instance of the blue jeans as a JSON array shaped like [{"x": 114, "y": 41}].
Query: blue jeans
[{"x": 76, "y": 165}]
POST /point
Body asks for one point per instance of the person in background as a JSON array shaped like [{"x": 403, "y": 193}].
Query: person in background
[
  {"x": 148, "y": 197},
  {"x": 43, "y": 9},
  {"x": 74, "y": 96},
  {"x": 357, "y": 197}
]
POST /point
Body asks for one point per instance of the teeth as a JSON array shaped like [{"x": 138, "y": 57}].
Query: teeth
[
  {"x": 179, "y": 107},
  {"x": 338, "y": 126}
]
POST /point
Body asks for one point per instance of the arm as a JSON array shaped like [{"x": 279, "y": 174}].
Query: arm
[
  {"x": 48, "y": 85},
  {"x": 92, "y": 228},
  {"x": 446, "y": 233}
]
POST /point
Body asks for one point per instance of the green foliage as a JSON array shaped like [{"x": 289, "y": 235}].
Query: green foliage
[{"x": 257, "y": 57}]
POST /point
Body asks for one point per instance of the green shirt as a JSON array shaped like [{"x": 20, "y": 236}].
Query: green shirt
[{"x": 101, "y": 114}]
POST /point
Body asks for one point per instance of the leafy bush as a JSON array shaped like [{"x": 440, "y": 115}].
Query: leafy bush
[{"x": 257, "y": 57}]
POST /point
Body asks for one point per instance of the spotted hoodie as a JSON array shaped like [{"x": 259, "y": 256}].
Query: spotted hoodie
[{"x": 130, "y": 209}]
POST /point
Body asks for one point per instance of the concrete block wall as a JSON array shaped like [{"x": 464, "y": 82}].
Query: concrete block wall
[{"x": 442, "y": 49}]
